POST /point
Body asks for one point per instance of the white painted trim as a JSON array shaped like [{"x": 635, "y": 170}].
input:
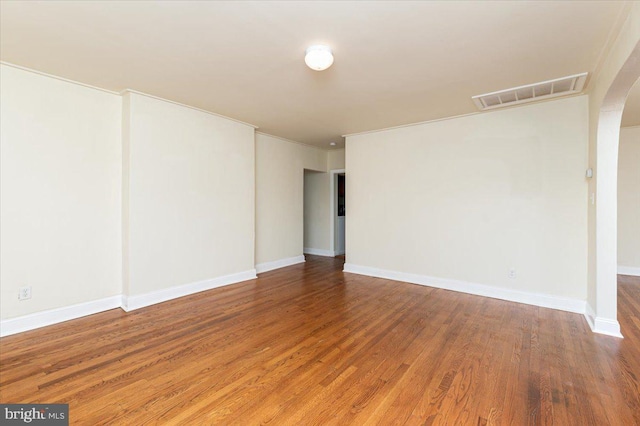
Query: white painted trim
[
  {"x": 628, "y": 270},
  {"x": 130, "y": 303},
  {"x": 185, "y": 106},
  {"x": 332, "y": 208},
  {"x": 402, "y": 126},
  {"x": 604, "y": 326},
  {"x": 590, "y": 315},
  {"x": 292, "y": 141},
  {"x": 319, "y": 252},
  {"x": 55, "y": 316},
  {"x": 609, "y": 327},
  {"x": 536, "y": 299},
  {"x": 435, "y": 120},
  {"x": 127, "y": 303},
  {"x": 66, "y": 80},
  {"x": 121, "y": 93},
  {"x": 280, "y": 263},
  {"x": 611, "y": 39}
]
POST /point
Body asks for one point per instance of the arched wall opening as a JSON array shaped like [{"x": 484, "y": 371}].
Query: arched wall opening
[{"x": 603, "y": 316}]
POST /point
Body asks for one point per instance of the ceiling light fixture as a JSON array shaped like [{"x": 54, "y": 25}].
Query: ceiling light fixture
[{"x": 318, "y": 57}]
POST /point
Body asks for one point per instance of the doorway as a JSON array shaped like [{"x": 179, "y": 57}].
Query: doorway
[
  {"x": 629, "y": 186},
  {"x": 629, "y": 214},
  {"x": 602, "y": 315},
  {"x": 338, "y": 212}
]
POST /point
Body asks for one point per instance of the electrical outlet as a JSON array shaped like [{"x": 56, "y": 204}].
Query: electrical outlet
[
  {"x": 512, "y": 273},
  {"x": 24, "y": 293}
]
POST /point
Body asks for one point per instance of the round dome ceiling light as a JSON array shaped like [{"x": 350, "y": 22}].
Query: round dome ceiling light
[{"x": 318, "y": 57}]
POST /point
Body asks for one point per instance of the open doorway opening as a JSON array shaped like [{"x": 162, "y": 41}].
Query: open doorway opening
[
  {"x": 338, "y": 215},
  {"x": 629, "y": 215},
  {"x": 602, "y": 308},
  {"x": 316, "y": 214}
]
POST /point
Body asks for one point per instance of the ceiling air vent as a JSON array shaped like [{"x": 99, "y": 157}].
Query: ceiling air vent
[{"x": 532, "y": 92}]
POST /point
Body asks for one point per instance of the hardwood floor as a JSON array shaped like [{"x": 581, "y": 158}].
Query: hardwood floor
[{"x": 309, "y": 345}]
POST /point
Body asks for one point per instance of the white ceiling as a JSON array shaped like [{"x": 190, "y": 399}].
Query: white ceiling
[{"x": 396, "y": 62}]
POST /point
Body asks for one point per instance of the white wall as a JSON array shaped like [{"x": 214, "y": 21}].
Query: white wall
[
  {"x": 629, "y": 201},
  {"x": 467, "y": 199},
  {"x": 280, "y": 166},
  {"x": 336, "y": 159},
  {"x": 106, "y": 195},
  {"x": 316, "y": 213},
  {"x": 60, "y": 192},
  {"x": 190, "y": 206}
]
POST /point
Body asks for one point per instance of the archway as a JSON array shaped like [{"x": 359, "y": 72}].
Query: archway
[{"x": 604, "y": 319}]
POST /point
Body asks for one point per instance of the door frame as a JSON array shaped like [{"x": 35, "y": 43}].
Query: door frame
[{"x": 333, "y": 194}]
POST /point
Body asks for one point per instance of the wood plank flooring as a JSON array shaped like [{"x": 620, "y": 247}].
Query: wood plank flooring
[{"x": 310, "y": 345}]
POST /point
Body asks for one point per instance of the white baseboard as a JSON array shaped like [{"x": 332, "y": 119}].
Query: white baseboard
[
  {"x": 280, "y": 263},
  {"x": 55, "y": 316},
  {"x": 536, "y": 299},
  {"x": 629, "y": 270},
  {"x": 129, "y": 303},
  {"x": 319, "y": 252},
  {"x": 610, "y": 327},
  {"x": 590, "y": 315}
]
